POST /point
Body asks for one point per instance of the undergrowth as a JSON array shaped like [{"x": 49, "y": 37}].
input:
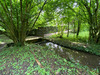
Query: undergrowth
[{"x": 20, "y": 61}]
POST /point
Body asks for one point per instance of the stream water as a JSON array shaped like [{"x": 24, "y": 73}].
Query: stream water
[{"x": 74, "y": 56}]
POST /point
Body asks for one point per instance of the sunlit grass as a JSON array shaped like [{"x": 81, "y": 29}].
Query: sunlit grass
[{"x": 83, "y": 36}]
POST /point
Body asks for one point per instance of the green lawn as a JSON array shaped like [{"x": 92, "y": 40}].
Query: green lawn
[{"x": 83, "y": 37}]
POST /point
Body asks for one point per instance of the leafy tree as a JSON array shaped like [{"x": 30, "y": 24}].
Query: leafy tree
[
  {"x": 91, "y": 9},
  {"x": 87, "y": 11},
  {"x": 18, "y": 17}
]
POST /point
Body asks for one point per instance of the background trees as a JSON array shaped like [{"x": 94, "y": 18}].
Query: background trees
[
  {"x": 90, "y": 9},
  {"x": 84, "y": 11}
]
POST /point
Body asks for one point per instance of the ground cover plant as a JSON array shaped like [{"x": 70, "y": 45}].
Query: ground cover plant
[{"x": 28, "y": 59}]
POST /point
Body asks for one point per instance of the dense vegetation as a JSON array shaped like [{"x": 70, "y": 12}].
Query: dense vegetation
[
  {"x": 18, "y": 18},
  {"x": 25, "y": 60}
]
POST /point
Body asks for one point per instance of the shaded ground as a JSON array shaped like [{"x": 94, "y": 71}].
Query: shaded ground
[
  {"x": 5, "y": 40},
  {"x": 74, "y": 56},
  {"x": 20, "y": 61},
  {"x": 2, "y": 45}
]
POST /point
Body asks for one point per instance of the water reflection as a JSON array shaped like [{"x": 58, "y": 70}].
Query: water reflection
[{"x": 76, "y": 56}]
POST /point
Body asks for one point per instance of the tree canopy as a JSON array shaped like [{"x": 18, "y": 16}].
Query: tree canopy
[{"x": 18, "y": 17}]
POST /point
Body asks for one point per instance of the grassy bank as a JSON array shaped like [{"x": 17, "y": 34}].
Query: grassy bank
[
  {"x": 35, "y": 59},
  {"x": 5, "y": 39},
  {"x": 83, "y": 37},
  {"x": 80, "y": 43}
]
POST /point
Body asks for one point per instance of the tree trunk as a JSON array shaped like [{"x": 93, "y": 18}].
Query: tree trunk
[
  {"x": 74, "y": 26},
  {"x": 98, "y": 38},
  {"x": 78, "y": 29},
  {"x": 68, "y": 30}
]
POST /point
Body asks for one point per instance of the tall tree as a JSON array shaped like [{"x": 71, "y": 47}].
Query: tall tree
[
  {"x": 18, "y": 17},
  {"x": 91, "y": 7}
]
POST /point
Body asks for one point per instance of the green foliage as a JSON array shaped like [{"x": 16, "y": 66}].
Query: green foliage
[
  {"x": 20, "y": 60},
  {"x": 83, "y": 38},
  {"x": 19, "y": 17},
  {"x": 84, "y": 27},
  {"x": 1, "y": 29}
]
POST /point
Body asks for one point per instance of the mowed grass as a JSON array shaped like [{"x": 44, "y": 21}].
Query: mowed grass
[
  {"x": 23, "y": 61},
  {"x": 83, "y": 36}
]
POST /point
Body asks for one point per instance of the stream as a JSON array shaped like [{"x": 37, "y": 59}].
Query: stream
[
  {"x": 85, "y": 59},
  {"x": 74, "y": 56}
]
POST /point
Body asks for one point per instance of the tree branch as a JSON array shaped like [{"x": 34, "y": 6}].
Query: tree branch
[
  {"x": 39, "y": 13},
  {"x": 21, "y": 11},
  {"x": 97, "y": 2},
  {"x": 6, "y": 6}
]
